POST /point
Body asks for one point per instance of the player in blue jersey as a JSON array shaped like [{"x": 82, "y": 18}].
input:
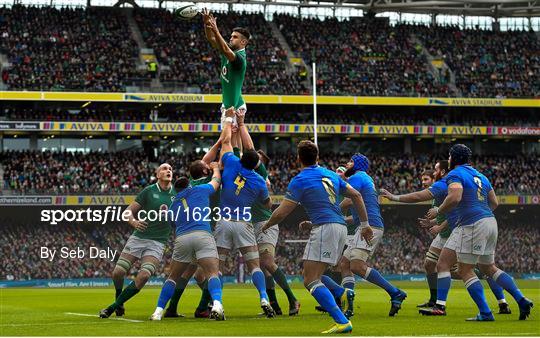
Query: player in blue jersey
[
  {"x": 200, "y": 173},
  {"x": 441, "y": 229},
  {"x": 194, "y": 242},
  {"x": 359, "y": 251},
  {"x": 317, "y": 189},
  {"x": 469, "y": 204},
  {"x": 241, "y": 188}
]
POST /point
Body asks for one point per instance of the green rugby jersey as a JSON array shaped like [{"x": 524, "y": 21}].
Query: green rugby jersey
[
  {"x": 232, "y": 79},
  {"x": 441, "y": 218},
  {"x": 154, "y": 198},
  {"x": 259, "y": 212}
]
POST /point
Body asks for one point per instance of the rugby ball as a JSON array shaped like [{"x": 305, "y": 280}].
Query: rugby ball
[{"x": 186, "y": 12}]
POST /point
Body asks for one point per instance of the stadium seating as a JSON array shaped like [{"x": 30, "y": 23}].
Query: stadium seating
[
  {"x": 401, "y": 252},
  {"x": 181, "y": 46},
  {"x": 348, "y": 116},
  {"x": 66, "y": 49},
  {"x": 93, "y": 50},
  {"x": 29, "y": 172}
]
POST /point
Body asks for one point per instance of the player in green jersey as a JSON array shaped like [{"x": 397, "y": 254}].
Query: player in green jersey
[
  {"x": 147, "y": 241},
  {"x": 233, "y": 63},
  {"x": 267, "y": 241}
]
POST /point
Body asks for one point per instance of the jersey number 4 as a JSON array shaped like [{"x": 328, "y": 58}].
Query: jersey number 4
[
  {"x": 240, "y": 181},
  {"x": 478, "y": 182},
  {"x": 329, "y": 187}
]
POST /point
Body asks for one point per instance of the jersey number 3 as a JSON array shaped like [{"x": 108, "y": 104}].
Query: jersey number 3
[
  {"x": 478, "y": 182},
  {"x": 240, "y": 182},
  {"x": 329, "y": 187}
]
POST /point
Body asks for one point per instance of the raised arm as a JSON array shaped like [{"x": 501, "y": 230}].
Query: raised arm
[
  {"x": 207, "y": 30},
  {"x": 247, "y": 142},
  {"x": 225, "y": 137},
  {"x": 221, "y": 44},
  {"x": 216, "y": 177},
  {"x": 413, "y": 197}
]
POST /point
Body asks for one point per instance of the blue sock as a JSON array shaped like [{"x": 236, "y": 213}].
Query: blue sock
[
  {"x": 214, "y": 287},
  {"x": 348, "y": 282},
  {"x": 506, "y": 281},
  {"x": 257, "y": 276},
  {"x": 495, "y": 288},
  {"x": 220, "y": 276},
  {"x": 327, "y": 301},
  {"x": 373, "y": 276},
  {"x": 336, "y": 289},
  {"x": 476, "y": 290},
  {"x": 167, "y": 291},
  {"x": 444, "y": 280}
]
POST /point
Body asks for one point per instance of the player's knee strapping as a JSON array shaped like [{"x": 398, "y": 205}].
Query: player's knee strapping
[
  {"x": 359, "y": 254},
  {"x": 123, "y": 264},
  {"x": 267, "y": 248},
  {"x": 432, "y": 256},
  {"x": 314, "y": 285},
  {"x": 148, "y": 267},
  {"x": 251, "y": 255}
]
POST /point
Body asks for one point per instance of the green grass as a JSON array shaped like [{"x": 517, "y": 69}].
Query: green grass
[{"x": 43, "y": 312}]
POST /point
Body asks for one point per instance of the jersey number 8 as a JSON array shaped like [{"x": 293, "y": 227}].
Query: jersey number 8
[{"x": 329, "y": 187}]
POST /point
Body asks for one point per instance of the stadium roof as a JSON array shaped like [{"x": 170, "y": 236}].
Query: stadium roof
[{"x": 501, "y": 8}]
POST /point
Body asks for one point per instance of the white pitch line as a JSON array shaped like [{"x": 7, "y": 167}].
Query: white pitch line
[
  {"x": 89, "y": 315},
  {"x": 43, "y": 324}
]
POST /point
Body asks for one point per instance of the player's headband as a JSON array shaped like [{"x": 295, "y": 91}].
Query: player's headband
[{"x": 361, "y": 162}]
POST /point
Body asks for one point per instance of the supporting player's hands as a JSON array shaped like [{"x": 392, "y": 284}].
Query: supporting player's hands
[
  {"x": 305, "y": 226},
  {"x": 388, "y": 195},
  {"x": 432, "y": 213},
  {"x": 230, "y": 112},
  {"x": 426, "y": 223},
  {"x": 214, "y": 166},
  {"x": 434, "y": 230},
  {"x": 367, "y": 234},
  {"x": 240, "y": 117},
  {"x": 139, "y": 225}
]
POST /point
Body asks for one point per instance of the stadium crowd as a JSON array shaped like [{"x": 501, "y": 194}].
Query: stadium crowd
[
  {"x": 93, "y": 49},
  {"x": 66, "y": 49},
  {"x": 402, "y": 250},
  {"x": 195, "y": 64},
  {"x": 487, "y": 63},
  {"x": 361, "y": 57},
  {"x": 326, "y": 116},
  {"x": 30, "y": 172}
]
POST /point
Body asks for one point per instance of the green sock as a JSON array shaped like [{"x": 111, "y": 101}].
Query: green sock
[
  {"x": 271, "y": 291},
  {"x": 178, "y": 291},
  {"x": 205, "y": 296},
  {"x": 281, "y": 279},
  {"x": 117, "y": 293},
  {"x": 130, "y": 291}
]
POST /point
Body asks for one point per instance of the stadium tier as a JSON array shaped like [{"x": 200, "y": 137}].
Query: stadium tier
[
  {"x": 37, "y": 172},
  {"x": 144, "y": 146},
  {"x": 57, "y": 49},
  {"x": 402, "y": 251}
]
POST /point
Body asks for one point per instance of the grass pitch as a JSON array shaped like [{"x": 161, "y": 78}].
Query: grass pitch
[{"x": 73, "y": 312}]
